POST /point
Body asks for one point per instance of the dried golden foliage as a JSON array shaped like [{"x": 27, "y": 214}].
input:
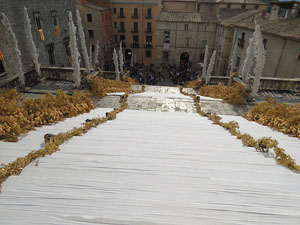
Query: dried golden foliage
[
  {"x": 195, "y": 84},
  {"x": 263, "y": 144},
  {"x": 16, "y": 167},
  {"x": 234, "y": 94},
  {"x": 100, "y": 86},
  {"x": 18, "y": 116},
  {"x": 279, "y": 116}
]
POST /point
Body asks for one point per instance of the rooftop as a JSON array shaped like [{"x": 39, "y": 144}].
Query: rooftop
[
  {"x": 239, "y": 17},
  {"x": 286, "y": 28},
  {"x": 186, "y": 17},
  {"x": 260, "y": 2}
]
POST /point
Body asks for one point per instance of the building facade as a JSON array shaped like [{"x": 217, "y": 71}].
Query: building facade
[
  {"x": 97, "y": 23},
  {"x": 281, "y": 40},
  {"x": 182, "y": 37},
  {"x": 134, "y": 24},
  {"x": 49, "y": 28}
]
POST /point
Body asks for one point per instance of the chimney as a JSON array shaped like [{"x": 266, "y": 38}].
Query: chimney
[
  {"x": 274, "y": 12},
  {"x": 83, "y": 2}
]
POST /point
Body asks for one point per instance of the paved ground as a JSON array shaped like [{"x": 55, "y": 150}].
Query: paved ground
[{"x": 151, "y": 100}]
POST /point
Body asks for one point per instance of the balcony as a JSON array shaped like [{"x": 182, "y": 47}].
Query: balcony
[
  {"x": 118, "y": 44},
  {"x": 148, "y": 31},
  {"x": 148, "y": 45},
  {"x": 148, "y": 16},
  {"x": 121, "y": 30},
  {"x": 135, "y": 45},
  {"x": 134, "y": 30},
  {"x": 241, "y": 42},
  {"x": 121, "y": 15},
  {"x": 135, "y": 16}
]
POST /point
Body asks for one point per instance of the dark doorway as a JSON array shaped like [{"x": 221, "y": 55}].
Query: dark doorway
[
  {"x": 128, "y": 55},
  {"x": 50, "y": 50},
  {"x": 184, "y": 59},
  {"x": 1, "y": 67}
]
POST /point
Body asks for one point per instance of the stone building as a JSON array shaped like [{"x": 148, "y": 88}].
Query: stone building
[
  {"x": 49, "y": 27},
  {"x": 281, "y": 38},
  {"x": 183, "y": 37},
  {"x": 134, "y": 23},
  {"x": 224, "y": 40},
  {"x": 97, "y": 23},
  {"x": 179, "y": 6}
]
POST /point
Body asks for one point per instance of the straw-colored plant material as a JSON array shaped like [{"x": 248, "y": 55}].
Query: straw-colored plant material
[
  {"x": 195, "y": 84},
  {"x": 279, "y": 116},
  {"x": 234, "y": 94},
  {"x": 18, "y": 116},
  {"x": 263, "y": 144},
  {"x": 16, "y": 167},
  {"x": 100, "y": 86}
]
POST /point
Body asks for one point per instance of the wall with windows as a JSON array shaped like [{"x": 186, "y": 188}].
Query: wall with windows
[
  {"x": 135, "y": 22},
  {"x": 282, "y": 54},
  {"x": 49, "y": 27},
  {"x": 97, "y": 23},
  {"x": 177, "y": 38}
]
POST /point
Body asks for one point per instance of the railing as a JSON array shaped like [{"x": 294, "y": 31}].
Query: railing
[
  {"x": 135, "y": 16},
  {"x": 148, "y": 16},
  {"x": 134, "y": 30},
  {"x": 121, "y": 15},
  {"x": 148, "y": 31},
  {"x": 148, "y": 46},
  {"x": 267, "y": 83},
  {"x": 135, "y": 45}
]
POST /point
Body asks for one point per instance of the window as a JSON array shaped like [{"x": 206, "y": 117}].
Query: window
[
  {"x": 149, "y": 28},
  {"x": 122, "y": 38},
  {"x": 186, "y": 27},
  {"x": 93, "y": 48},
  {"x": 135, "y": 13},
  {"x": 298, "y": 55},
  {"x": 265, "y": 43},
  {"x": 198, "y": 7},
  {"x": 54, "y": 17},
  {"x": 203, "y": 43},
  {"x": 206, "y": 27},
  {"x": 50, "y": 51},
  {"x": 166, "y": 55},
  {"x": 149, "y": 13},
  {"x": 37, "y": 18},
  {"x": 149, "y": 41},
  {"x": 122, "y": 27},
  {"x": 201, "y": 57},
  {"x": 256, "y": 6},
  {"x": 243, "y": 6},
  {"x": 89, "y": 17},
  {"x": 91, "y": 33},
  {"x": 148, "y": 53},
  {"x": 167, "y": 36},
  {"x": 228, "y": 6},
  {"x": 241, "y": 40},
  {"x": 136, "y": 27},
  {"x": 115, "y": 10},
  {"x": 135, "y": 39},
  {"x": 115, "y": 25},
  {"x": 121, "y": 15},
  {"x": 238, "y": 61},
  {"x": 116, "y": 38}
]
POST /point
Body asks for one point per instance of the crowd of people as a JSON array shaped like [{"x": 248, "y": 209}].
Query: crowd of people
[{"x": 164, "y": 74}]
